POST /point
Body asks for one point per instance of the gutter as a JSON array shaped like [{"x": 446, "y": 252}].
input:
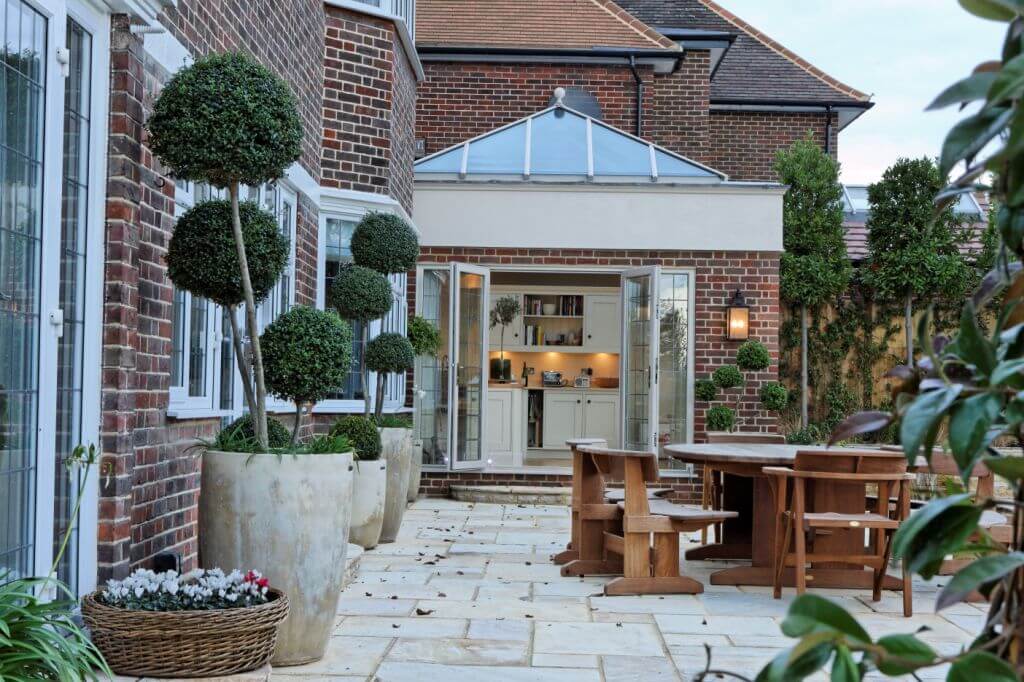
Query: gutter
[
  {"x": 794, "y": 105},
  {"x": 617, "y": 52}
]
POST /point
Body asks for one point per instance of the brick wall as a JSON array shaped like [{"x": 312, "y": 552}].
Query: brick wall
[
  {"x": 678, "y": 114},
  {"x": 744, "y": 143},
  {"x": 368, "y": 107}
]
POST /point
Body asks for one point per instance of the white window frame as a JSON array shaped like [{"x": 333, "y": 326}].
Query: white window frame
[{"x": 267, "y": 311}]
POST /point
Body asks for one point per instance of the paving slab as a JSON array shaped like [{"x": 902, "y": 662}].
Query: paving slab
[
  {"x": 634, "y": 669},
  {"x": 345, "y": 656},
  {"x": 421, "y": 672},
  {"x": 607, "y": 639},
  {"x": 460, "y": 651},
  {"x": 379, "y": 626}
]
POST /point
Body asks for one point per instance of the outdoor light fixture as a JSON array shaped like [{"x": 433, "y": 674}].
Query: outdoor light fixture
[{"x": 737, "y": 318}]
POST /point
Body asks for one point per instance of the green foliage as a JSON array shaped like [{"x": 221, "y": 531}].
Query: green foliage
[
  {"x": 773, "y": 396},
  {"x": 814, "y": 268},
  {"x": 386, "y": 243},
  {"x": 840, "y": 401},
  {"x": 719, "y": 418},
  {"x": 910, "y": 250},
  {"x": 424, "y": 336},
  {"x": 389, "y": 353},
  {"x": 393, "y": 421},
  {"x": 202, "y": 257},
  {"x": 226, "y": 119},
  {"x": 505, "y": 310},
  {"x": 727, "y": 376},
  {"x": 240, "y": 435},
  {"x": 328, "y": 444},
  {"x": 811, "y": 435},
  {"x": 753, "y": 356},
  {"x": 361, "y": 294},
  {"x": 362, "y": 433},
  {"x": 705, "y": 390},
  {"x": 307, "y": 354}
]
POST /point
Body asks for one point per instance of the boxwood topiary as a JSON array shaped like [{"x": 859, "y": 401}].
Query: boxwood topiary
[
  {"x": 202, "y": 257},
  {"x": 242, "y": 430},
  {"x": 389, "y": 353},
  {"x": 705, "y": 389},
  {"x": 719, "y": 418},
  {"x": 306, "y": 355},
  {"x": 727, "y": 376},
  {"x": 774, "y": 396},
  {"x": 752, "y": 356},
  {"x": 386, "y": 243},
  {"x": 424, "y": 336},
  {"x": 226, "y": 119},
  {"x": 361, "y": 433},
  {"x": 361, "y": 294}
]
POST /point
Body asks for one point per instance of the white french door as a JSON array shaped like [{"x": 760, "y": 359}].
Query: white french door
[
  {"x": 467, "y": 373},
  {"x": 640, "y": 358}
]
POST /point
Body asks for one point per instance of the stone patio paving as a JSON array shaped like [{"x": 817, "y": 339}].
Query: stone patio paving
[{"x": 468, "y": 594}]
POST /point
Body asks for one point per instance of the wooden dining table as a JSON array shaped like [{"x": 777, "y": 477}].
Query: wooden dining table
[{"x": 751, "y": 535}]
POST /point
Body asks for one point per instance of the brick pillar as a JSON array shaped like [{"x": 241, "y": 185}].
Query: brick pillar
[{"x": 121, "y": 299}]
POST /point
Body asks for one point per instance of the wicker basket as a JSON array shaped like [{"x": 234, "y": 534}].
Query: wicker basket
[{"x": 185, "y": 643}]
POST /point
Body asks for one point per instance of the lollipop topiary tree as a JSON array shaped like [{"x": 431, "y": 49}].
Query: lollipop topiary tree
[
  {"x": 388, "y": 354},
  {"x": 228, "y": 121},
  {"x": 308, "y": 353}
]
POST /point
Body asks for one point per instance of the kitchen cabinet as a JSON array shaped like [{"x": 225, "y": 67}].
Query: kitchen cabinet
[
  {"x": 505, "y": 426},
  {"x": 601, "y": 416},
  {"x": 602, "y": 323},
  {"x": 580, "y": 414}
]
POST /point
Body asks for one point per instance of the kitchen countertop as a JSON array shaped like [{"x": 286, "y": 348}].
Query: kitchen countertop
[{"x": 538, "y": 387}]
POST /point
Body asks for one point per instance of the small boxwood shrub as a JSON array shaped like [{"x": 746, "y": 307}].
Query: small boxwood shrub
[
  {"x": 753, "y": 356},
  {"x": 361, "y": 433},
  {"x": 306, "y": 354},
  {"x": 705, "y": 390},
  {"x": 389, "y": 353},
  {"x": 719, "y": 418},
  {"x": 202, "y": 257},
  {"x": 242, "y": 432},
  {"x": 424, "y": 336},
  {"x": 727, "y": 376},
  {"x": 774, "y": 396},
  {"x": 226, "y": 118},
  {"x": 361, "y": 294},
  {"x": 386, "y": 243}
]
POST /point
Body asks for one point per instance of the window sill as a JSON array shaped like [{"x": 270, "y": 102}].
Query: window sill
[{"x": 196, "y": 413}]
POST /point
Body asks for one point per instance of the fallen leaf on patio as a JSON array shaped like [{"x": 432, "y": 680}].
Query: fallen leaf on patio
[{"x": 424, "y": 612}]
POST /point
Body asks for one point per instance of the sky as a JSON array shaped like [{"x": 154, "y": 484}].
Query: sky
[{"x": 903, "y": 52}]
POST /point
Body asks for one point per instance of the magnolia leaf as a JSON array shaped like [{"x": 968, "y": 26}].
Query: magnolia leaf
[
  {"x": 919, "y": 417},
  {"x": 1009, "y": 83},
  {"x": 938, "y": 529},
  {"x": 844, "y": 668},
  {"x": 1007, "y": 369},
  {"x": 810, "y": 613},
  {"x": 969, "y": 136},
  {"x": 909, "y": 529},
  {"x": 1010, "y": 468},
  {"x": 969, "y": 89},
  {"x": 968, "y": 427},
  {"x": 803, "y": 660},
  {"x": 974, "y": 347},
  {"x": 861, "y": 422},
  {"x": 911, "y": 653},
  {"x": 980, "y": 572},
  {"x": 997, "y": 10},
  {"x": 994, "y": 281},
  {"x": 981, "y": 666},
  {"x": 900, "y": 372}
]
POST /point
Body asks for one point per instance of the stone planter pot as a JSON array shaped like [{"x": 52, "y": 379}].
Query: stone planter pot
[
  {"x": 368, "y": 487},
  {"x": 397, "y": 450},
  {"x": 415, "y": 470},
  {"x": 288, "y": 517}
]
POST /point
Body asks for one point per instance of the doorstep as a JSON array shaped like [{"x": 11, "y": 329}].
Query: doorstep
[{"x": 512, "y": 494}]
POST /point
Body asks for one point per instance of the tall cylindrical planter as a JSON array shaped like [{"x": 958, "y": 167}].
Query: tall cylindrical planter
[
  {"x": 368, "y": 489},
  {"x": 396, "y": 448},
  {"x": 415, "y": 470},
  {"x": 287, "y": 516}
]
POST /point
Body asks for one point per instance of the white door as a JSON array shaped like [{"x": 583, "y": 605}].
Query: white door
[
  {"x": 601, "y": 315},
  {"x": 601, "y": 416},
  {"x": 500, "y": 426},
  {"x": 639, "y": 358},
  {"x": 468, "y": 371},
  {"x": 563, "y": 417}
]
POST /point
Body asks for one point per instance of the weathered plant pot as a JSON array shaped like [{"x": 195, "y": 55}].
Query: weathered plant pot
[
  {"x": 396, "y": 448},
  {"x": 288, "y": 517},
  {"x": 415, "y": 470},
  {"x": 368, "y": 488}
]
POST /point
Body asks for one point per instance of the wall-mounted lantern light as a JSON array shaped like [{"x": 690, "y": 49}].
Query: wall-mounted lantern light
[{"x": 737, "y": 318}]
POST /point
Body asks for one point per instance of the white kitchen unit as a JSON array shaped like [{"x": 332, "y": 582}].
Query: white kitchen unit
[
  {"x": 602, "y": 327},
  {"x": 506, "y": 426},
  {"x": 594, "y": 326},
  {"x": 580, "y": 414}
]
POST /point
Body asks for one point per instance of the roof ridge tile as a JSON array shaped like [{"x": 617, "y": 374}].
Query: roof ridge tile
[{"x": 636, "y": 25}]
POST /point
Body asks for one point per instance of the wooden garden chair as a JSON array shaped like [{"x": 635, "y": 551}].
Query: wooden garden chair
[
  {"x": 843, "y": 476},
  {"x": 645, "y": 569},
  {"x": 712, "y": 491}
]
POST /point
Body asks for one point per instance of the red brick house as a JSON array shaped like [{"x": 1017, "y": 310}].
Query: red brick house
[{"x": 96, "y": 346}]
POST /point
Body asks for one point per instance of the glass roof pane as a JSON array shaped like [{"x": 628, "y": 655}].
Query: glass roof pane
[
  {"x": 671, "y": 167},
  {"x": 965, "y": 204},
  {"x": 449, "y": 162},
  {"x": 858, "y": 197},
  {"x": 500, "y": 153},
  {"x": 616, "y": 154},
  {"x": 558, "y": 144}
]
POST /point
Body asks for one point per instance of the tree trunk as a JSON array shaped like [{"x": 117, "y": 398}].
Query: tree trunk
[
  {"x": 379, "y": 407},
  {"x": 365, "y": 371},
  {"x": 804, "y": 398},
  {"x": 260, "y": 414},
  {"x": 908, "y": 320},
  {"x": 298, "y": 422},
  {"x": 243, "y": 362}
]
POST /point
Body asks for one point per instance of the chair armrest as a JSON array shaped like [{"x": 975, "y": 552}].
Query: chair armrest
[
  {"x": 838, "y": 475},
  {"x": 778, "y": 471}
]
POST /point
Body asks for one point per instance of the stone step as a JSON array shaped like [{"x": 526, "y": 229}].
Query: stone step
[{"x": 512, "y": 494}]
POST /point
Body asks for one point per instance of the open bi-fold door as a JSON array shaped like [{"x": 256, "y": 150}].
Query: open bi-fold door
[
  {"x": 467, "y": 370},
  {"x": 639, "y": 359}
]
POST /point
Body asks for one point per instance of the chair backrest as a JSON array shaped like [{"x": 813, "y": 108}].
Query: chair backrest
[
  {"x": 850, "y": 462},
  {"x": 943, "y": 464},
  {"x": 745, "y": 437},
  {"x": 611, "y": 462}
]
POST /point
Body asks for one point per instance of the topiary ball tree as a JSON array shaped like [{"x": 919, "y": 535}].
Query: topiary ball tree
[
  {"x": 424, "y": 336},
  {"x": 773, "y": 396},
  {"x": 362, "y": 433},
  {"x": 386, "y": 243},
  {"x": 308, "y": 353},
  {"x": 202, "y": 259},
  {"x": 227, "y": 120},
  {"x": 719, "y": 418},
  {"x": 753, "y": 356},
  {"x": 388, "y": 353},
  {"x": 727, "y": 376},
  {"x": 705, "y": 390},
  {"x": 243, "y": 428}
]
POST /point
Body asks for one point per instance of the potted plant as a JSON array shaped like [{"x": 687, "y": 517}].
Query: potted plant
[
  {"x": 505, "y": 311},
  {"x": 200, "y": 624},
  {"x": 370, "y": 480},
  {"x": 227, "y": 121},
  {"x": 426, "y": 342},
  {"x": 387, "y": 354}
]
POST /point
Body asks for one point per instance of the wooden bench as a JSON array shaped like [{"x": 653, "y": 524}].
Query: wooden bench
[
  {"x": 646, "y": 569},
  {"x": 713, "y": 488},
  {"x": 583, "y": 492}
]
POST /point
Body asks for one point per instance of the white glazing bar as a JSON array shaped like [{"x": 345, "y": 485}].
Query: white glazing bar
[
  {"x": 590, "y": 150},
  {"x": 529, "y": 141},
  {"x": 654, "y": 164},
  {"x": 465, "y": 160}
]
